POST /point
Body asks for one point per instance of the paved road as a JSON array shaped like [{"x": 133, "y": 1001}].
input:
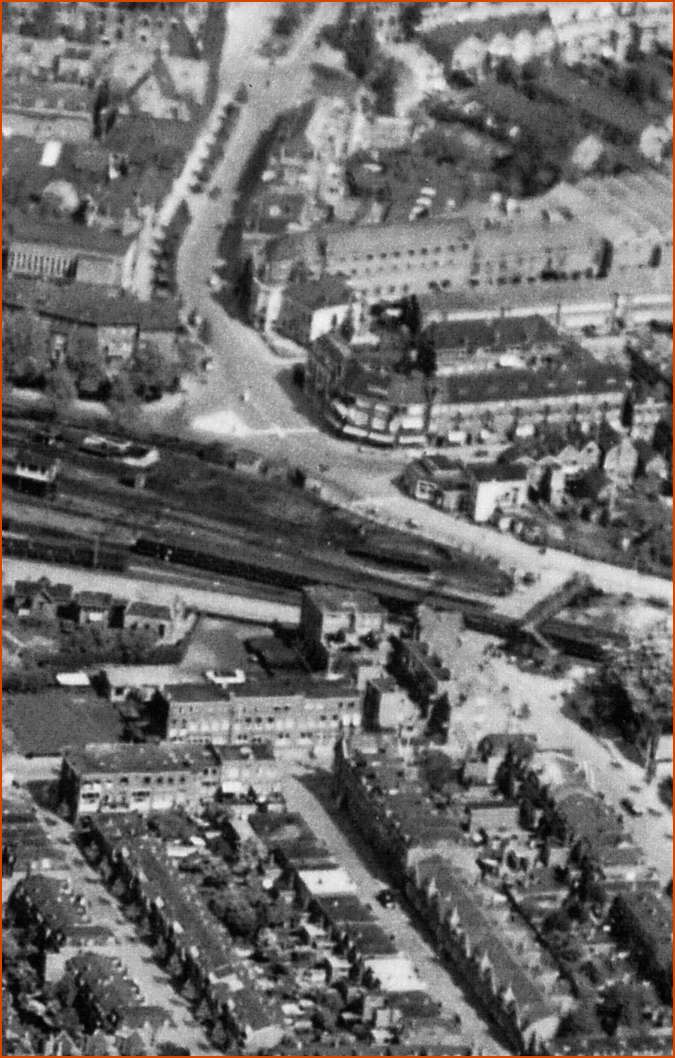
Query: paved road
[
  {"x": 275, "y": 418},
  {"x": 553, "y": 566},
  {"x": 242, "y": 360},
  {"x": 351, "y": 852},
  {"x": 607, "y": 770}
]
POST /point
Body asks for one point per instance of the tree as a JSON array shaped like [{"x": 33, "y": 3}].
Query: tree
[
  {"x": 187, "y": 357},
  {"x": 235, "y": 912},
  {"x": 25, "y": 348},
  {"x": 86, "y": 363},
  {"x": 412, "y": 315},
  {"x": 150, "y": 372},
  {"x": 439, "y": 770},
  {"x": 581, "y": 1021},
  {"x": 620, "y": 1005},
  {"x": 410, "y": 19},
  {"x": 557, "y": 921},
  {"x": 439, "y": 718},
  {"x": 628, "y": 412},
  {"x": 243, "y": 288},
  {"x": 383, "y": 85},
  {"x": 360, "y": 46},
  {"x": 60, "y": 390},
  {"x": 123, "y": 400},
  {"x": 325, "y": 1020},
  {"x": 286, "y": 23},
  {"x": 426, "y": 356}
]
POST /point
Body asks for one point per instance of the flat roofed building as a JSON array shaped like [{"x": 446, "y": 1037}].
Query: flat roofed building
[
  {"x": 195, "y": 712},
  {"x": 137, "y": 778},
  {"x": 297, "y": 715},
  {"x": 331, "y": 617},
  {"x": 43, "y": 249}
]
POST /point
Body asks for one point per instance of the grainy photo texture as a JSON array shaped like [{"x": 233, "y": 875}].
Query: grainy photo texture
[{"x": 337, "y": 473}]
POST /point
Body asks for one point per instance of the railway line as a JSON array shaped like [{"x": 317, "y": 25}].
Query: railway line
[{"x": 96, "y": 521}]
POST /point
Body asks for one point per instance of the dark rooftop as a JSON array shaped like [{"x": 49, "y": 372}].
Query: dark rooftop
[
  {"x": 319, "y": 293},
  {"x": 86, "y": 304},
  {"x": 43, "y": 723},
  {"x": 115, "y": 758},
  {"x": 19, "y": 227}
]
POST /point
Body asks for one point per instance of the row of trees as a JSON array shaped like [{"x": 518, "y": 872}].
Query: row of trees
[
  {"x": 31, "y": 360},
  {"x": 355, "y": 37},
  {"x": 80, "y": 647},
  {"x": 630, "y": 692}
]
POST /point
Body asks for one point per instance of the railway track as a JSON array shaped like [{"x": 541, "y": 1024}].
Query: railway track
[{"x": 94, "y": 505}]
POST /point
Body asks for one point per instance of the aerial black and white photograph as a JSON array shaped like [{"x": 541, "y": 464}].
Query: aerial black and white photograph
[{"x": 337, "y": 528}]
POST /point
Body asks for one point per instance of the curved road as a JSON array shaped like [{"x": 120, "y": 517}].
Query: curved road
[
  {"x": 242, "y": 359},
  {"x": 275, "y": 417}
]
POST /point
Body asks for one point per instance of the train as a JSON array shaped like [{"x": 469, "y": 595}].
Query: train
[{"x": 64, "y": 550}]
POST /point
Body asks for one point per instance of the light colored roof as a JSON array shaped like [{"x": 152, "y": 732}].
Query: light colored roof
[
  {"x": 144, "y": 675},
  {"x": 329, "y": 882}
]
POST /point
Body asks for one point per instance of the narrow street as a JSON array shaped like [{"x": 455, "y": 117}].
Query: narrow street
[
  {"x": 155, "y": 985},
  {"x": 310, "y": 796}
]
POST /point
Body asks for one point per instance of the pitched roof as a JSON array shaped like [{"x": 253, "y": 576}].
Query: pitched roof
[
  {"x": 500, "y": 333},
  {"x": 150, "y": 610},
  {"x": 94, "y": 600},
  {"x": 20, "y": 227},
  {"x": 319, "y": 293},
  {"x": 86, "y": 304}
]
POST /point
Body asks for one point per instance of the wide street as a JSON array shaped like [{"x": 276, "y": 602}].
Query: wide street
[{"x": 242, "y": 361}]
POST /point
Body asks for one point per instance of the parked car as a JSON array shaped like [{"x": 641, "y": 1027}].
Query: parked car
[
  {"x": 386, "y": 897},
  {"x": 631, "y": 807}
]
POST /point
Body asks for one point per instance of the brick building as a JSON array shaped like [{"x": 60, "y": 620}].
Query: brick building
[
  {"x": 331, "y": 618},
  {"x": 367, "y": 401},
  {"x": 137, "y": 778},
  {"x": 42, "y": 249},
  {"x": 295, "y": 714}
]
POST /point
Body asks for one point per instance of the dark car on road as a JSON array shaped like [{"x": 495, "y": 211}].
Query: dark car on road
[
  {"x": 630, "y": 807},
  {"x": 386, "y": 897}
]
